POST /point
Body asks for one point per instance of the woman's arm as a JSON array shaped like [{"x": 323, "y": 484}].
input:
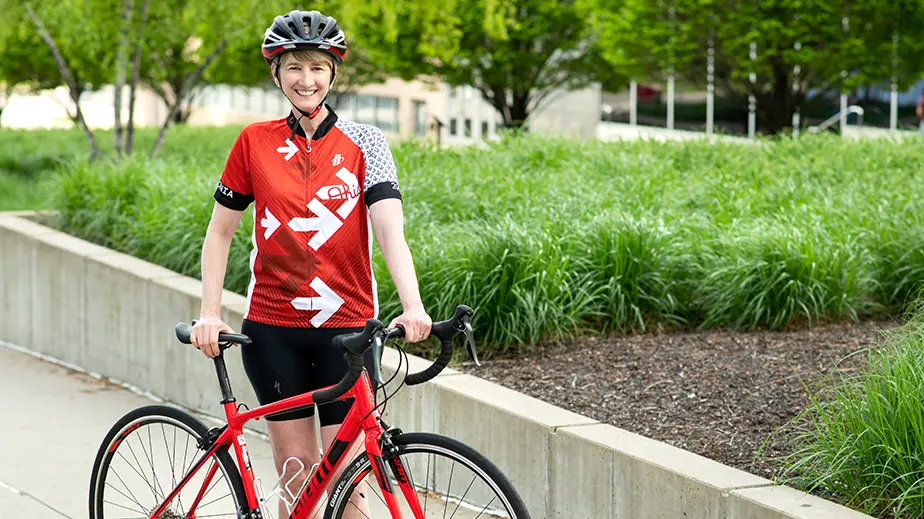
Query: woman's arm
[
  {"x": 215, "y": 251},
  {"x": 388, "y": 226}
]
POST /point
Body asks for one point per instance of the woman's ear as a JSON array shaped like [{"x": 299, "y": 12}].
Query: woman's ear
[{"x": 274, "y": 69}]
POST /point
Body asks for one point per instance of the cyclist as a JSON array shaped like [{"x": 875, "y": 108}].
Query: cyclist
[{"x": 320, "y": 186}]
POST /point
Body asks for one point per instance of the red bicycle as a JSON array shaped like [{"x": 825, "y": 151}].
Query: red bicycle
[{"x": 159, "y": 462}]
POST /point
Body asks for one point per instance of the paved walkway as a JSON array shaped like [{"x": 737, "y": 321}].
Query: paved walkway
[{"x": 54, "y": 420}]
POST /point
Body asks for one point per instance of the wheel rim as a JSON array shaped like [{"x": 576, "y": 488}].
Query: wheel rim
[{"x": 146, "y": 460}]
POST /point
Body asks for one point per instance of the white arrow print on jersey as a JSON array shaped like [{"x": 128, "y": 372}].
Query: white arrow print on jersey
[
  {"x": 326, "y": 223},
  {"x": 290, "y": 149},
  {"x": 270, "y": 223},
  {"x": 327, "y": 301}
]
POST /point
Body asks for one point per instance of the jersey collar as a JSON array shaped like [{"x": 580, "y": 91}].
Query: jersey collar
[{"x": 322, "y": 130}]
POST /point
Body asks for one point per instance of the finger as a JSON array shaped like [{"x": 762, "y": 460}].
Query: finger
[{"x": 213, "y": 342}]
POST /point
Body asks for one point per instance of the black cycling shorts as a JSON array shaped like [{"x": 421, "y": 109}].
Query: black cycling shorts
[{"x": 284, "y": 362}]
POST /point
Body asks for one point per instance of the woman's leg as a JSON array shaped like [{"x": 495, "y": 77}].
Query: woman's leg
[
  {"x": 359, "y": 504},
  {"x": 293, "y": 439}
]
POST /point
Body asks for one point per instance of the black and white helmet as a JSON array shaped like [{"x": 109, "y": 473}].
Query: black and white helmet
[{"x": 304, "y": 30}]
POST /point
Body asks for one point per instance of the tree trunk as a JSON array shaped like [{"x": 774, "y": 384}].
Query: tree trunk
[
  {"x": 136, "y": 75},
  {"x": 128, "y": 9},
  {"x": 188, "y": 86},
  {"x": 68, "y": 78},
  {"x": 519, "y": 109}
]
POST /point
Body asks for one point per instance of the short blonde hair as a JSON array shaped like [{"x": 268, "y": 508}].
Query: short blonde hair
[{"x": 309, "y": 55}]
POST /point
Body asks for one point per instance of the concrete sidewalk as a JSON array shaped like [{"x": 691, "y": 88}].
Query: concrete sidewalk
[{"x": 55, "y": 419}]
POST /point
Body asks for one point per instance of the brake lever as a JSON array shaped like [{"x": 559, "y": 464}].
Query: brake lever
[
  {"x": 377, "y": 350},
  {"x": 470, "y": 341}
]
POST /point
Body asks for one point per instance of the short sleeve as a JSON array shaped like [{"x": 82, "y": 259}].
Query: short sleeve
[
  {"x": 234, "y": 189},
  {"x": 381, "y": 180}
]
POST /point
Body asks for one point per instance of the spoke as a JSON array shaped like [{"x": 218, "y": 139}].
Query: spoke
[
  {"x": 133, "y": 498},
  {"x": 214, "y": 500},
  {"x": 186, "y": 453},
  {"x": 218, "y": 477},
  {"x": 374, "y": 487},
  {"x": 140, "y": 470},
  {"x": 125, "y": 507},
  {"x": 462, "y": 499},
  {"x": 156, "y": 485},
  {"x": 356, "y": 507},
  {"x": 448, "y": 491},
  {"x": 485, "y": 507},
  {"x": 172, "y": 466},
  {"x": 427, "y": 488}
]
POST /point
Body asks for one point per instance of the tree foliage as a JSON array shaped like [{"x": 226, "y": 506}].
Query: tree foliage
[
  {"x": 799, "y": 45},
  {"x": 514, "y": 53}
]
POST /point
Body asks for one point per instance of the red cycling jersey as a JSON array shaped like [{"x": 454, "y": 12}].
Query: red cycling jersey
[{"x": 311, "y": 264}]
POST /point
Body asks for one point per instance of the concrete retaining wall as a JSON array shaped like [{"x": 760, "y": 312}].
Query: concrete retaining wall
[{"x": 114, "y": 315}]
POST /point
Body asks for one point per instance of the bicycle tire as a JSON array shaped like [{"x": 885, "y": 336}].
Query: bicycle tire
[
  {"x": 151, "y": 415},
  {"x": 408, "y": 443}
]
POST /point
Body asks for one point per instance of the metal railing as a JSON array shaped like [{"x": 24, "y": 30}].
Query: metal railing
[{"x": 838, "y": 117}]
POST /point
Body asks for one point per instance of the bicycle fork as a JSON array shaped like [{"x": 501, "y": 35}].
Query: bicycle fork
[{"x": 375, "y": 450}]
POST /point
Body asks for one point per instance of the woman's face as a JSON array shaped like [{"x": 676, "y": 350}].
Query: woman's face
[{"x": 305, "y": 83}]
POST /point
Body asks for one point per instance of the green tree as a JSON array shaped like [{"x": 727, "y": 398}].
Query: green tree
[
  {"x": 82, "y": 56},
  {"x": 26, "y": 65},
  {"x": 514, "y": 53},
  {"x": 242, "y": 63},
  {"x": 652, "y": 39}
]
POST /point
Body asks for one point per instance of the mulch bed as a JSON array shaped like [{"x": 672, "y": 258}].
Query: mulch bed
[{"x": 719, "y": 394}]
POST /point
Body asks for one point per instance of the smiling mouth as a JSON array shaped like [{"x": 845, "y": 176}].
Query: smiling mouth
[{"x": 306, "y": 93}]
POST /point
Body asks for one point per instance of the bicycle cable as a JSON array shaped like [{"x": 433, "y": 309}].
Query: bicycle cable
[{"x": 402, "y": 361}]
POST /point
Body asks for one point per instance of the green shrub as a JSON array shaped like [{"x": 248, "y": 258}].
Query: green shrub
[
  {"x": 861, "y": 439},
  {"x": 546, "y": 237}
]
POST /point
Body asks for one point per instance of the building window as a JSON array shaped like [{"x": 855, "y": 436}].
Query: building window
[
  {"x": 365, "y": 109},
  {"x": 420, "y": 118},
  {"x": 453, "y": 130},
  {"x": 484, "y": 129},
  {"x": 386, "y": 113},
  {"x": 345, "y": 105},
  {"x": 375, "y": 110},
  {"x": 468, "y": 127}
]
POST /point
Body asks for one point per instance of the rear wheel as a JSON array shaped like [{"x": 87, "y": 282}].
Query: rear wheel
[
  {"x": 450, "y": 479},
  {"x": 143, "y": 458}
]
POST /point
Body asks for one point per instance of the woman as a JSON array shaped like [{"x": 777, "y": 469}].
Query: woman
[{"x": 315, "y": 201}]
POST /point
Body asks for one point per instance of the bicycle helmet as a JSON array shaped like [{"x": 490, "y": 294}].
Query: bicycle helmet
[{"x": 304, "y": 30}]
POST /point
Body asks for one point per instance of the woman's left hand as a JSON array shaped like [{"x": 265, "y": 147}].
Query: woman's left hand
[{"x": 416, "y": 324}]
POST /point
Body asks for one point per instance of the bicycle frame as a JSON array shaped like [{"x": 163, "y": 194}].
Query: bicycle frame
[{"x": 362, "y": 416}]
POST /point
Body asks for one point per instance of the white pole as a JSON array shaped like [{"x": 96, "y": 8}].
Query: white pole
[
  {"x": 633, "y": 103},
  {"x": 670, "y": 101},
  {"x": 893, "y": 107},
  {"x": 845, "y": 24},
  {"x": 843, "y": 122},
  {"x": 670, "y": 77},
  {"x": 710, "y": 84},
  {"x": 752, "y": 101},
  {"x": 893, "y": 95},
  {"x": 796, "y": 116}
]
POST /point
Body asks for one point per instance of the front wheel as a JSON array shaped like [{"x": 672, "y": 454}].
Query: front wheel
[
  {"x": 143, "y": 458},
  {"x": 445, "y": 477}
]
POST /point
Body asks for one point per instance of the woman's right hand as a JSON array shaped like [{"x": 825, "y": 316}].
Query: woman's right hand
[{"x": 205, "y": 334}]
